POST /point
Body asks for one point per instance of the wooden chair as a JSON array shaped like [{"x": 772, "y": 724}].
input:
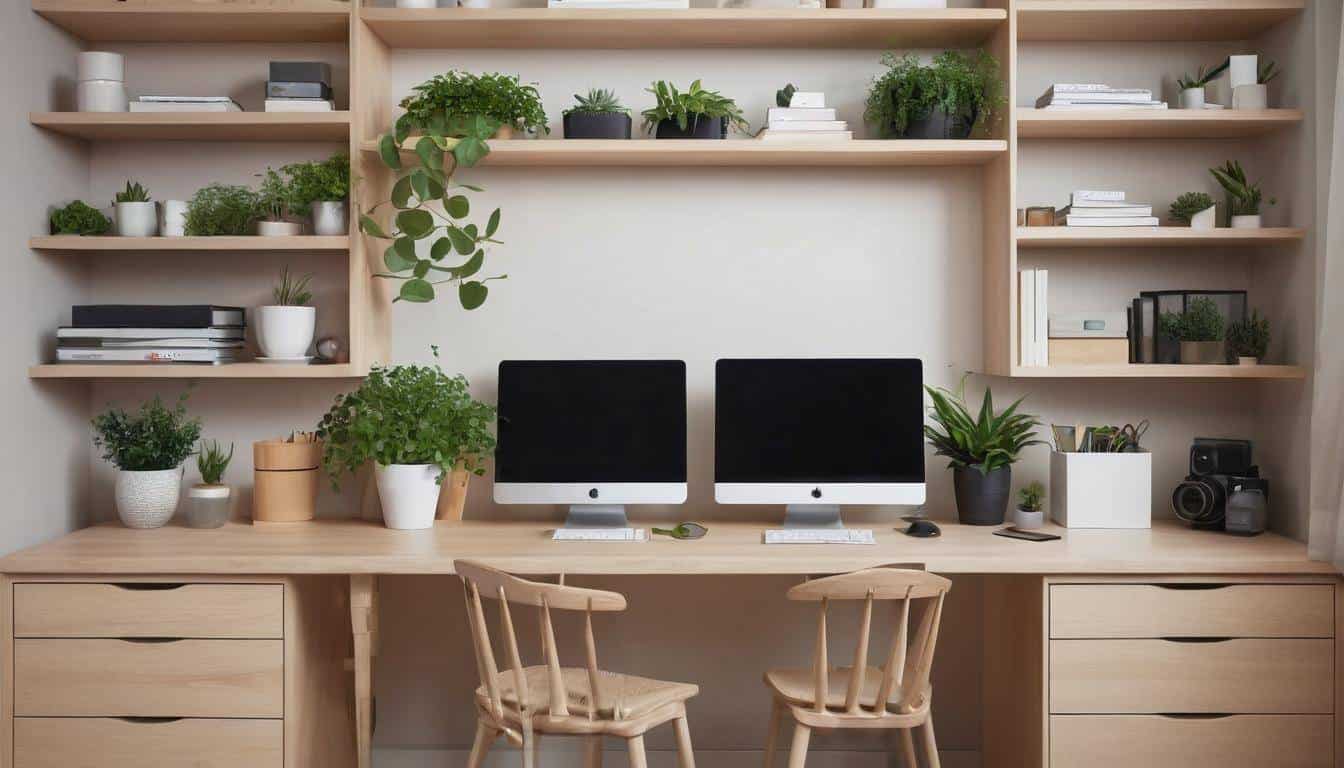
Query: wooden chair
[
  {"x": 896, "y": 695},
  {"x": 521, "y": 703}
]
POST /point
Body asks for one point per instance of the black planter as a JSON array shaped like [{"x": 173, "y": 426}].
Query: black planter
[
  {"x": 704, "y": 128},
  {"x": 940, "y": 125},
  {"x": 982, "y": 499},
  {"x": 597, "y": 125}
]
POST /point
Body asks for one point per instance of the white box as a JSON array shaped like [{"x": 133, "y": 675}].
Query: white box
[
  {"x": 1102, "y": 490},
  {"x": 808, "y": 100}
]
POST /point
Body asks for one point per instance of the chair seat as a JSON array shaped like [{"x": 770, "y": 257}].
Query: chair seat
[
  {"x": 635, "y": 696},
  {"x": 798, "y": 686}
]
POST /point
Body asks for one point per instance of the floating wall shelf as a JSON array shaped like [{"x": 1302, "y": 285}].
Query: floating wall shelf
[
  {"x": 188, "y": 21},
  {"x": 184, "y": 244},
  {"x": 151, "y": 371},
  {"x": 1152, "y": 123},
  {"x": 198, "y": 126},
  {"x": 1150, "y": 20},
  {"x": 1103, "y": 237},
  {"x": 1196, "y": 372}
]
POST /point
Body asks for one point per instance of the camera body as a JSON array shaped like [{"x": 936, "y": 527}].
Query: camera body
[{"x": 1221, "y": 469}]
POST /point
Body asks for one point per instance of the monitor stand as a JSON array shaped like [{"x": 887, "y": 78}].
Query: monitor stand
[
  {"x": 812, "y": 516},
  {"x": 597, "y": 516}
]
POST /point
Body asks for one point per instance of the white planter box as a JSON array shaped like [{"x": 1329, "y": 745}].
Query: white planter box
[{"x": 1102, "y": 490}]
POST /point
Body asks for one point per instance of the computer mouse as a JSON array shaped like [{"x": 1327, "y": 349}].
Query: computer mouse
[{"x": 923, "y": 529}]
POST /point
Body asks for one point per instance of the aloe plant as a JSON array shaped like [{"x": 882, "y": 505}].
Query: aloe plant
[
  {"x": 134, "y": 193},
  {"x": 599, "y": 101},
  {"x": 291, "y": 291},
  {"x": 1202, "y": 76},
  {"x": 212, "y": 462},
  {"x": 1243, "y": 197},
  {"x": 987, "y": 441}
]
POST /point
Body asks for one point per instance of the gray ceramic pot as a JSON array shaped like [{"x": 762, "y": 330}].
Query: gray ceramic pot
[{"x": 982, "y": 499}]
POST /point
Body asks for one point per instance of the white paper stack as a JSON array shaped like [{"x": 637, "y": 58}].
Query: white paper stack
[
  {"x": 1105, "y": 208},
  {"x": 1033, "y": 317},
  {"x": 300, "y": 105},
  {"x": 1096, "y": 96},
  {"x": 184, "y": 104},
  {"x": 622, "y": 4},
  {"x": 814, "y": 122}
]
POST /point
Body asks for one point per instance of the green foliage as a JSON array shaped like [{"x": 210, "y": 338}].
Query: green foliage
[
  {"x": 967, "y": 88},
  {"x": 155, "y": 438},
  {"x": 325, "y": 181},
  {"x": 291, "y": 292},
  {"x": 408, "y": 414},
  {"x": 79, "y": 218},
  {"x": 1268, "y": 71},
  {"x": 1110, "y": 439},
  {"x": 456, "y": 95},
  {"x": 987, "y": 441},
  {"x": 599, "y": 101},
  {"x": 1243, "y": 197},
  {"x": 784, "y": 96},
  {"x": 212, "y": 462},
  {"x": 134, "y": 193},
  {"x": 278, "y": 198},
  {"x": 1029, "y": 498},
  {"x": 1188, "y": 204},
  {"x": 1201, "y": 321},
  {"x": 222, "y": 210},
  {"x": 687, "y": 108},
  {"x": 1249, "y": 337},
  {"x": 1202, "y": 77}
]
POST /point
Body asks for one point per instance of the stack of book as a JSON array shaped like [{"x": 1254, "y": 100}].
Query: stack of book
[
  {"x": 1104, "y": 208},
  {"x": 807, "y": 118},
  {"x": 1096, "y": 96},
  {"x": 1033, "y": 315},
  {"x": 144, "y": 333},
  {"x": 299, "y": 86},
  {"x": 184, "y": 104},
  {"x": 621, "y": 4}
]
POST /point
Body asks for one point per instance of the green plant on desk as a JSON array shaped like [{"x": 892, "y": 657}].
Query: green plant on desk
[
  {"x": 212, "y": 462},
  {"x": 454, "y": 96},
  {"x": 1202, "y": 77},
  {"x": 987, "y": 441},
  {"x": 1030, "y": 497},
  {"x": 153, "y": 439},
  {"x": 599, "y": 101},
  {"x": 322, "y": 181},
  {"x": 134, "y": 193},
  {"x": 291, "y": 291}
]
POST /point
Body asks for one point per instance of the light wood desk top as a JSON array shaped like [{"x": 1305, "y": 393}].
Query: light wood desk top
[{"x": 351, "y": 547}]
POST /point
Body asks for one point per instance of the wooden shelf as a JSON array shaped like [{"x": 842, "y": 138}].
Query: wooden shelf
[
  {"x": 1150, "y": 20},
  {"x": 1151, "y": 123},
  {"x": 77, "y": 243},
  {"x": 735, "y": 152},
  {"x": 1161, "y": 237},
  {"x": 1196, "y": 372},
  {"x": 693, "y": 28},
  {"x": 198, "y": 126},
  {"x": 149, "y": 371},
  {"x": 188, "y": 21}
]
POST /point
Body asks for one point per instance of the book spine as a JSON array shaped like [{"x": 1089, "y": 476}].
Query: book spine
[
  {"x": 1026, "y": 317},
  {"x": 1042, "y": 344},
  {"x": 142, "y": 317},
  {"x": 319, "y": 91},
  {"x": 1098, "y": 195}
]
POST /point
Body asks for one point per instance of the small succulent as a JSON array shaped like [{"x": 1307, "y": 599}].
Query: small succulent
[
  {"x": 1029, "y": 498},
  {"x": 1202, "y": 76},
  {"x": 292, "y": 292},
  {"x": 599, "y": 101},
  {"x": 1189, "y": 204},
  {"x": 1268, "y": 71},
  {"x": 784, "y": 96},
  {"x": 212, "y": 462},
  {"x": 1249, "y": 337},
  {"x": 134, "y": 193}
]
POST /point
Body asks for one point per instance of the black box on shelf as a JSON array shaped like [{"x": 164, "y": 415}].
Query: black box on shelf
[
  {"x": 1155, "y": 346},
  {"x": 292, "y": 90},
  {"x": 300, "y": 72}
]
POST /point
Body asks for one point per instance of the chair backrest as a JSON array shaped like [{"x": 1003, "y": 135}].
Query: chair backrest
[
  {"x": 483, "y": 582},
  {"x": 905, "y": 673}
]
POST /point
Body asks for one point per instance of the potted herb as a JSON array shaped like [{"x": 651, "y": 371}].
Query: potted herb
[
  {"x": 1028, "y": 514},
  {"x": 79, "y": 218},
  {"x": 415, "y": 423},
  {"x": 147, "y": 449},
  {"x": 1248, "y": 339},
  {"x": 1199, "y": 329},
  {"x": 1195, "y": 210},
  {"x": 136, "y": 214},
  {"x": 278, "y": 203},
  {"x": 695, "y": 114},
  {"x": 1243, "y": 197},
  {"x": 208, "y": 501},
  {"x": 285, "y": 328},
  {"x": 1192, "y": 87},
  {"x": 980, "y": 450},
  {"x": 948, "y": 99},
  {"x": 445, "y": 103},
  {"x": 1255, "y": 95},
  {"x": 599, "y": 115},
  {"x": 221, "y": 210},
  {"x": 321, "y": 189}
]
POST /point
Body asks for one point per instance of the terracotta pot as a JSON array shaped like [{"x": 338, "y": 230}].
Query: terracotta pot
[
  {"x": 453, "y": 496},
  {"x": 286, "y": 477}
]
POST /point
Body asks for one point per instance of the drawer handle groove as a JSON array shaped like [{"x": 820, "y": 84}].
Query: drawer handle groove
[
  {"x": 1195, "y": 639},
  {"x": 151, "y": 640},
  {"x": 1192, "y": 586},
  {"x": 1194, "y": 715},
  {"x": 145, "y": 586},
  {"x": 149, "y": 720}
]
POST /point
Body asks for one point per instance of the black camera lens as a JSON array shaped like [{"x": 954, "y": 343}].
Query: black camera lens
[{"x": 1200, "y": 500}]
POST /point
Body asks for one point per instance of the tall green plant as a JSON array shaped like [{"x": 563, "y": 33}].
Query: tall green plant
[
  {"x": 278, "y": 198},
  {"x": 292, "y": 291},
  {"x": 1249, "y": 337},
  {"x": 987, "y": 441},
  {"x": 686, "y": 108},
  {"x": 154, "y": 438}
]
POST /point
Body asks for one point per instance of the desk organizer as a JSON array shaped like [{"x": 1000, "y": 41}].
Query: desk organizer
[
  {"x": 285, "y": 476},
  {"x": 1102, "y": 490}
]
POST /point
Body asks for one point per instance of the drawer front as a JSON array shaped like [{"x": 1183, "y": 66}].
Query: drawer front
[
  {"x": 1153, "y": 741},
  {"x": 1163, "y": 676},
  {"x": 115, "y": 743},
  {"x": 149, "y": 610},
  {"x": 1229, "y": 610},
  {"x": 183, "y": 678}
]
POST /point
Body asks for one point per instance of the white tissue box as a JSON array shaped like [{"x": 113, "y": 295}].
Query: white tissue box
[{"x": 1102, "y": 490}]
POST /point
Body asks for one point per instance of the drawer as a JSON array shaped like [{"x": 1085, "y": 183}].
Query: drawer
[
  {"x": 1154, "y": 741},
  {"x": 1164, "y": 676},
  {"x": 149, "y": 610},
  {"x": 1192, "y": 610},
  {"x": 116, "y": 743},
  {"x": 182, "y": 678}
]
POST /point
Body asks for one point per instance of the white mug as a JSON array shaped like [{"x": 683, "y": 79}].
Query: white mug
[{"x": 173, "y": 218}]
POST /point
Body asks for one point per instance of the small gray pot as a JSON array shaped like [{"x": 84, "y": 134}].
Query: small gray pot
[
  {"x": 982, "y": 499},
  {"x": 329, "y": 219}
]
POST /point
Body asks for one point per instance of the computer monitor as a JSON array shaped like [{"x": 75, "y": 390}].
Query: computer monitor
[
  {"x": 593, "y": 434},
  {"x": 815, "y": 434}
]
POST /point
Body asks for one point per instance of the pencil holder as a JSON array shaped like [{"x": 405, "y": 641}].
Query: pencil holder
[{"x": 285, "y": 476}]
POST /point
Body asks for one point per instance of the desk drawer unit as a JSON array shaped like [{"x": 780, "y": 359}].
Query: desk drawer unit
[
  {"x": 147, "y": 743},
  {"x": 253, "y": 611},
  {"x": 1156, "y": 741}
]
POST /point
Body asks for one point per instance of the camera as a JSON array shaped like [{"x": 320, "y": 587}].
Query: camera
[{"x": 1220, "y": 468}]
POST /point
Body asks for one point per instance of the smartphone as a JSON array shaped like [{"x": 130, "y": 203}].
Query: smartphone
[{"x": 1013, "y": 533}]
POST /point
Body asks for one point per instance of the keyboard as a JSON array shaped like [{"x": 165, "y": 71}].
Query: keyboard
[
  {"x": 820, "y": 536},
  {"x": 600, "y": 534}
]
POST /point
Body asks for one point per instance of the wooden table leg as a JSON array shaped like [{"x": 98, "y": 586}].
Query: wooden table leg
[{"x": 364, "y": 622}]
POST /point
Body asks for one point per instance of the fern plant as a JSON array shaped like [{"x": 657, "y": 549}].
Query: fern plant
[
  {"x": 291, "y": 291},
  {"x": 1202, "y": 76},
  {"x": 134, "y": 193},
  {"x": 599, "y": 101},
  {"x": 1189, "y": 204},
  {"x": 212, "y": 462},
  {"x": 967, "y": 89},
  {"x": 1243, "y": 197},
  {"x": 987, "y": 441},
  {"x": 687, "y": 108}
]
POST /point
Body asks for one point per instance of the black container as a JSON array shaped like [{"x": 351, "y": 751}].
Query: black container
[
  {"x": 940, "y": 125},
  {"x": 982, "y": 499},
  {"x": 704, "y": 128},
  {"x": 597, "y": 125}
]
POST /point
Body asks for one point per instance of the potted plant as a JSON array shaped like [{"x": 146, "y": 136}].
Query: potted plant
[
  {"x": 79, "y": 218},
  {"x": 447, "y": 102},
  {"x": 285, "y": 329},
  {"x": 1195, "y": 210},
  {"x": 414, "y": 422},
  {"x": 147, "y": 449},
  {"x": 1243, "y": 197},
  {"x": 1255, "y": 95},
  {"x": 947, "y": 99},
  {"x": 1192, "y": 88},
  {"x": 1248, "y": 339},
  {"x": 137, "y": 216},
  {"x": 980, "y": 450},
  {"x": 1028, "y": 513},
  {"x": 321, "y": 188},
  {"x": 277, "y": 202},
  {"x": 208, "y": 501},
  {"x": 221, "y": 210},
  {"x": 1199, "y": 329},
  {"x": 694, "y": 114},
  {"x": 599, "y": 115}
]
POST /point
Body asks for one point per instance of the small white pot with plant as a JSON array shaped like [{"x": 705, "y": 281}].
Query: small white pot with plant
[
  {"x": 1029, "y": 512},
  {"x": 1248, "y": 340},
  {"x": 1192, "y": 87},
  {"x": 147, "y": 449},
  {"x": 1196, "y": 210},
  {"x": 1255, "y": 95},
  {"x": 136, "y": 214},
  {"x": 277, "y": 204},
  {"x": 1243, "y": 197},
  {"x": 285, "y": 329},
  {"x": 413, "y": 423},
  {"x": 321, "y": 189},
  {"x": 1200, "y": 330},
  {"x": 210, "y": 501}
]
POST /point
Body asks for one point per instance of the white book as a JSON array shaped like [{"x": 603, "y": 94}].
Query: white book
[
  {"x": 189, "y": 99},
  {"x": 167, "y": 344},
  {"x": 185, "y": 106},
  {"x": 802, "y": 136},
  {"x": 226, "y": 333},
  {"x": 783, "y": 114},
  {"x": 1026, "y": 316},
  {"x": 1060, "y": 87},
  {"x": 808, "y": 125},
  {"x": 1102, "y": 97},
  {"x": 1109, "y": 212},
  {"x": 1097, "y": 196},
  {"x": 807, "y": 100},
  {"x": 1108, "y": 107},
  {"x": 636, "y": 5},
  {"x": 299, "y": 105},
  {"x": 93, "y": 355},
  {"x": 1041, "y": 325},
  {"x": 1118, "y": 221}
]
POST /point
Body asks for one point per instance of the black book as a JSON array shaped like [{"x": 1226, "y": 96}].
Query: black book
[{"x": 154, "y": 316}]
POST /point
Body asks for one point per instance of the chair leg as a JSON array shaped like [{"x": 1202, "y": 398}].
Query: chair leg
[
  {"x": 930, "y": 744},
  {"x": 592, "y": 752},
  {"x": 798, "y": 752},
  {"x": 485, "y": 737},
  {"x": 908, "y": 748},
  {"x": 636, "y": 746},
  {"x": 531, "y": 743},
  {"x": 772, "y": 735},
  {"x": 685, "y": 754}
]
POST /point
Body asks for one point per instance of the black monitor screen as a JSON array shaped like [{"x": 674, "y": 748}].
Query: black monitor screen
[
  {"x": 819, "y": 421},
  {"x": 591, "y": 421}
]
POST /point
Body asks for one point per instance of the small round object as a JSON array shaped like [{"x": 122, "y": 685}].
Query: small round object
[
  {"x": 816, "y": 493},
  {"x": 330, "y": 349},
  {"x": 592, "y": 494}
]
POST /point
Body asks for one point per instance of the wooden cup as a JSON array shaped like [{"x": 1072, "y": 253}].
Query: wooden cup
[{"x": 285, "y": 477}]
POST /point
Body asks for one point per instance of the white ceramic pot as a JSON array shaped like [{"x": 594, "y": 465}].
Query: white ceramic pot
[
  {"x": 208, "y": 506},
  {"x": 417, "y": 4},
  {"x": 285, "y": 332},
  {"x": 1243, "y": 70},
  {"x": 279, "y": 228},
  {"x": 1254, "y": 96},
  {"x": 172, "y": 218},
  {"x": 409, "y": 494},
  {"x": 329, "y": 218},
  {"x": 1025, "y": 520},
  {"x": 1205, "y": 219},
  {"x": 1192, "y": 98},
  {"x": 101, "y": 96},
  {"x": 137, "y": 219},
  {"x": 100, "y": 65},
  {"x": 148, "y": 499},
  {"x": 1246, "y": 222}
]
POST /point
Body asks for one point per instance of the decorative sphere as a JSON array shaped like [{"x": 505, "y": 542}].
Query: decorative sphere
[{"x": 330, "y": 349}]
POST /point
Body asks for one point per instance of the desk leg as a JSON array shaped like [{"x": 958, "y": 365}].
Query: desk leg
[{"x": 364, "y": 622}]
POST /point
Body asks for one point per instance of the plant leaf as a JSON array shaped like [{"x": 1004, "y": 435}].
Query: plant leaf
[
  {"x": 493, "y": 224},
  {"x": 461, "y": 241},
  {"x": 389, "y": 152},
  {"x": 370, "y": 227},
  {"x": 417, "y": 290},
  {"x": 415, "y": 223},
  {"x": 472, "y": 294},
  {"x": 396, "y": 261},
  {"x": 401, "y": 192},
  {"x": 441, "y": 247},
  {"x": 457, "y": 206}
]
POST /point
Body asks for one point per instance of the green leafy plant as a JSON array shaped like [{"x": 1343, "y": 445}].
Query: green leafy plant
[
  {"x": 687, "y": 108},
  {"x": 1243, "y": 197},
  {"x": 966, "y": 88},
  {"x": 1268, "y": 71},
  {"x": 212, "y": 462},
  {"x": 155, "y": 438},
  {"x": 79, "y": 218},
  {"x": 1249, "y": 337},
  {"x": 134, "y": 193},
  {"x": 1202, "y": 76},
  {"x": 1110, "y": 439},
  {"x": 1201, "y": 321},
  {"x": 784, "y": 96},
  {"x": 221, "y": 210},
  {"x": 407, "y": 414},
  {"x": 461, "y": 96},
  {"x": 278, "y": 198},
  {"x": 599, "y": 101},
  {"x": 323, "y": 181},
  {"x": 290, "y": 291},
  {"x": 1189, "y": 204},
  {"x": 987, "y": 441},
  {"x": 1030, "y": 497}
]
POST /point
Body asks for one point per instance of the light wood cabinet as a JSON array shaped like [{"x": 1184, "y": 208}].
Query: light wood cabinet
[
  {"x": 1079, "y": 611},
  {"x": 1157, "y": 741},
  {"x": 41, "y": 742},
  {"x": 138, "y": 609}
]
